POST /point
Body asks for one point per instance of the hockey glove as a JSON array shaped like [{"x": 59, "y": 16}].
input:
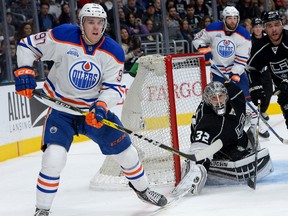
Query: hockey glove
[
  {"x": 256, "y": 93},
  {"x": 25, "y": 81},
  {"x": 235, "y": 78},
  {"x": 206, "y": 50},
  {"x": 282, "y": 90},
  {"x": 98, "y": 112}
]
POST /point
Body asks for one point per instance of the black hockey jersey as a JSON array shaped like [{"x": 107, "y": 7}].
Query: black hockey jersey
[
  {"x": 207, "y": 126},
  {"x": 264, "y": 54}
]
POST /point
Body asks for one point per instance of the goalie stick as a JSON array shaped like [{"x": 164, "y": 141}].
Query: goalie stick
[
  {"x": 219, "y": 73},
  {"x": 201, "y": 155},
  {"x": 252, "y": 183}
]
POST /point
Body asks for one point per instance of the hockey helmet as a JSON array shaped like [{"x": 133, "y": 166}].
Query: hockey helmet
[
  {"x": 93, "y": 10},
  {"x": 231, "y": 11},
  {"x": 269, "y": 16},
  {"x": 256, "y": 21},
  {"x": 216, "y": 96}
]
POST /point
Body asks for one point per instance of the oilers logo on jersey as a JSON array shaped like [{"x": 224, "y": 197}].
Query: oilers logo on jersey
[
  {"x": 84, "y": 75},
  {"x": 225, "y": 48}
]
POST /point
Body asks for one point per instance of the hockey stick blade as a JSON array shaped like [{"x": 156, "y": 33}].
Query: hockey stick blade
[
  {"x": 60, "y": 105},
  {"x": 220, "y": 73}
]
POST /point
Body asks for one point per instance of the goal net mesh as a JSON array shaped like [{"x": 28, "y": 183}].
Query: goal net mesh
[{"x": 149, "y": 109}]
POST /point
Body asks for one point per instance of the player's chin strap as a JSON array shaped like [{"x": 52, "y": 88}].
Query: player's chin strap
[
  {"x": 220, "y": 73},
  {"x": 65, "y": 107}
]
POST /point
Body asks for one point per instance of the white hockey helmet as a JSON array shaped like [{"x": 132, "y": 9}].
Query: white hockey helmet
[
  {"x": 216, "y": 96},
  {"x": 230, "y": 11},
  {"x": 93, "y": 10}
]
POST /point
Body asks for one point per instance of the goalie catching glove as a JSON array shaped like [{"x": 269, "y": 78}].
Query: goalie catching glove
[
  {"x": 97, "y": 112},
  {"x": 25, "y": 81}
]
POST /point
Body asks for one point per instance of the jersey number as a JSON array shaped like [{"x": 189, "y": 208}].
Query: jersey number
[{"x": 202, "y": 136}]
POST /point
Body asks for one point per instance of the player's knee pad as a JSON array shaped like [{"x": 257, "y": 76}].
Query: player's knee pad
[
  {"x": 128, "y": 158},
  {"x": 53, "y": 160}
]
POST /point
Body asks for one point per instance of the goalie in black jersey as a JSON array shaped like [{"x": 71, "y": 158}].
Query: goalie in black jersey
[
  {"x": 270, "y": 52},
  {"x": 221, "y": 115}
]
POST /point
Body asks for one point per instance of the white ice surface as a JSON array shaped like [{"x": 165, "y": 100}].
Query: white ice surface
[{"x": 18, "y": 181}]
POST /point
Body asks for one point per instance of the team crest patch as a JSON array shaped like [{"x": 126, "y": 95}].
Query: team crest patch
[
  {"x": 225, "y": 48},
  {"x": 84, "y": 75},
  {"x": 73, "y": 52},
  {"x": 53, "y": 129}
]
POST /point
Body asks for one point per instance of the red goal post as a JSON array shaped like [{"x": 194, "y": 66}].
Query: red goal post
[{"x": 159, "y": 104}]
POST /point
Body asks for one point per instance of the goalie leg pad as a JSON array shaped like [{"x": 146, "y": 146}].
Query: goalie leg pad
[
  {"x": 239, "y": 171},
  {"x": 193, "y": 179}
]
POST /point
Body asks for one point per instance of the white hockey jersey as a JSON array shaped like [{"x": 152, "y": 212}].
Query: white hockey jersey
[
  {"x": 81, "y": 73},
  {"x": 230, "y": 50}
]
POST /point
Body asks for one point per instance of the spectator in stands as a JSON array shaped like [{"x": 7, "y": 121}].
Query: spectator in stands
[
  {"x": 110, "y": 17},
  {"x": 25, "y": 30},
  {"x": 180, "y": 6},
  {"x": 149, "y": 25},
  {"x": 131, "y": 47},
  {"x": 3, "y": 62},
  {"x": 24, "y": 8},
  {"x": 283, "y": 11},
  {"x": 157, "y": 6},
  {"x": 173, "y": 24},
  {"x": 135, "y": 25},
  {"x": 150, "y": 14},
  {"x": 169, "y": 3},
  {"x": 46, "y": 21},
  {"x": 130, "y": 7},
  {"x": 187, "y": 34},
  {"x": 202, "y": 9},
  {"x": 207, "y": 20},
  {"x": 55, "y": 8},
  {"x": 248, "y": 25},
  {"x": 192, "y": 19},
  {"x": 220, "y": 7},
  {"x": 11, "y": 28},
  {"x": 65, "y": 16},
  {"x": 248, "y": 10}
]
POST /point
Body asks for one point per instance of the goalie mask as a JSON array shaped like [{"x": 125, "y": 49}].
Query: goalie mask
[
  {"x": 216, "y": 96},
  {"x": 230, "y": 11}
]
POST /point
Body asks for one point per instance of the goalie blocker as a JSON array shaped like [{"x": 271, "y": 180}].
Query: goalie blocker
[{"x": 223, "y": 171}]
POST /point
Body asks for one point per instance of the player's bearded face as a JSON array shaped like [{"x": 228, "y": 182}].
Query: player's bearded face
[
  {"x": 274, "y": 30},
  {"x": 93, "y": 27},
  {"x": 231, "y": 23}
]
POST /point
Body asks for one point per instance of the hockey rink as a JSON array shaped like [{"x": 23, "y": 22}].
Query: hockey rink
[{"x": 18, "y": 181}]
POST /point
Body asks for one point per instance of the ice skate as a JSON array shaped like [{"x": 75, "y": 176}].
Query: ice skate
[
  {"x": 263, "y": 132},
  {"x": 41, "y": 212},
  {"x": 193, "y": 179},
  {"x": 150, "y": 196}
]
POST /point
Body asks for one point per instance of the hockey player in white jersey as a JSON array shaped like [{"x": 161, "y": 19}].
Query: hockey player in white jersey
[
  {"x": 230, "y": 46},
  {"x": 87, "y": 73}
]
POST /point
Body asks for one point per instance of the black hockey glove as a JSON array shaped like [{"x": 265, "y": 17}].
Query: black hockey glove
[
  {"x": 282, "y": 91},
  {"x": 256, "y": 93}
]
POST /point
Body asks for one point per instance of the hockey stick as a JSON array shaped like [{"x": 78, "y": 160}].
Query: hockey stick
[
  {"x": 219, "y": 73},
  {"x": 252, "y": 183},
  {"x": 201, "y": 155}
]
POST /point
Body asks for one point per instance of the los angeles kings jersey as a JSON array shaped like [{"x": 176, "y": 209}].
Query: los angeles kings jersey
[
  {"x": 207, "y": 126},
  {"x": 81, "y": 74},
  {"x": 265, "y": 54},
  {"x": 230, "y": 50}
]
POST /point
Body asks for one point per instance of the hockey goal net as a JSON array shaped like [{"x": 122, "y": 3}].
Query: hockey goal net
[{"x": 159, "y": 104}]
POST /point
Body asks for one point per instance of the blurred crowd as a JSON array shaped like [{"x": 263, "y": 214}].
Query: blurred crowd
[{"x": 137, "y": 17}]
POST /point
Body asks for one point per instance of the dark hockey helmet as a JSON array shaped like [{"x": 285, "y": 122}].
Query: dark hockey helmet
[
  {"x": 256, "y": 21},
  {"x": 269, "y": 16},
  {"x": 216, "y": 96}
]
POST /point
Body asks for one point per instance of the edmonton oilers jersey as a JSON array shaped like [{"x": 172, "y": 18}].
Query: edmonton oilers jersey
[
  {"x": 81, "y": 73},
  {"x": 230, "y": 50}
]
